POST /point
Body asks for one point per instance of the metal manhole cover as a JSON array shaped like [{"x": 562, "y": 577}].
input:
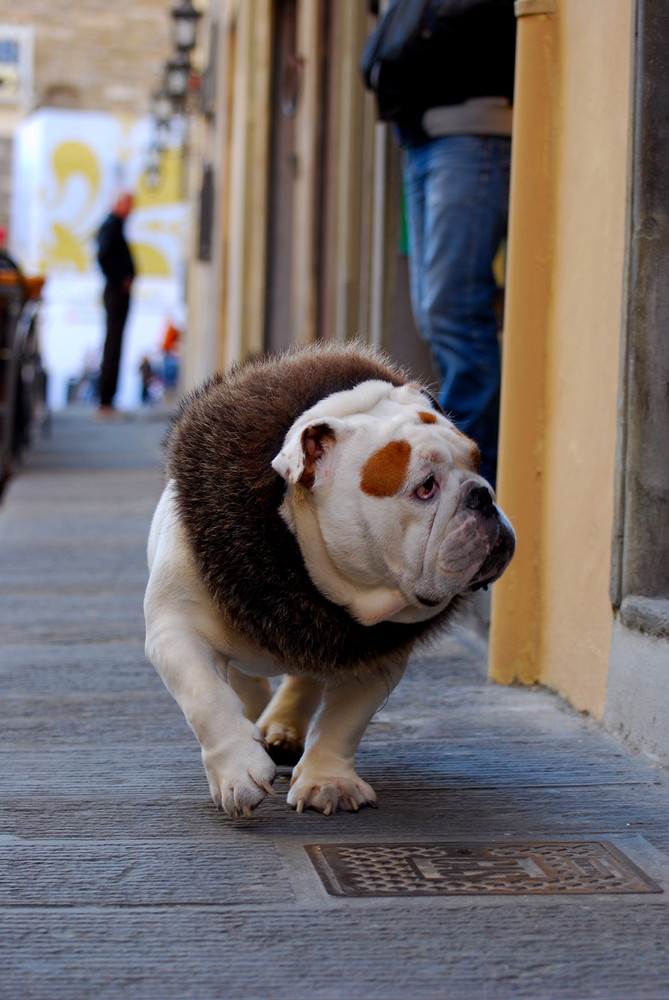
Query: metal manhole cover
[{"x": 458, "y": 869}]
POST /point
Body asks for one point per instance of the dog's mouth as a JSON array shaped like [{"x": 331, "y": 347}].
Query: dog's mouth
[
  {"x": 429, "y": 602},
  {"x": 498, "y": 558}
]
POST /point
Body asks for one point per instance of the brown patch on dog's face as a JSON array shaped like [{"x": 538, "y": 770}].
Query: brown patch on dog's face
[
  {"x": 427, "y": 418},
  {"x": 384, "y": 472}
]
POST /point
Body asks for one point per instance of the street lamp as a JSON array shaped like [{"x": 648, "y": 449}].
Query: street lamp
[
  {"x": 153, "y": 168},
  {"x": 161, "y": 105},
  {"x": 177, "y": 78},
  {"x": 185, "y": 19},
  {"x": 161, "y": 108},
  {"x": 170, "y": 103}
]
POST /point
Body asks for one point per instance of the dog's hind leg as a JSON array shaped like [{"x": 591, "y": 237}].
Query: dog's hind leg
[{"x": 285, "y": 721}]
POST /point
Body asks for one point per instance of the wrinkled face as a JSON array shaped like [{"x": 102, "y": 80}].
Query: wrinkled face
[{"x": 397, "y": 495}]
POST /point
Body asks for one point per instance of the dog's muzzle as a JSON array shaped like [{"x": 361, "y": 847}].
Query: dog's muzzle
[{"x": 503, "y": 539}]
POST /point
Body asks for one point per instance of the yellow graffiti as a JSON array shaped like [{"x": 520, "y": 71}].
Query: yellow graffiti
[
  {"x": 79, "y": 173},
  {"x": 150, "y": 261},
  {"x": 72, "y": 158},
  {"x": 67, "y": 245},
  {"x": 65, "y": 248}
]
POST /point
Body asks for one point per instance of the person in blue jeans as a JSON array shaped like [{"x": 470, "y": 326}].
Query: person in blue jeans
[
  {"x": 457, "y": 191},
  {"x": 449, "y": 92}
]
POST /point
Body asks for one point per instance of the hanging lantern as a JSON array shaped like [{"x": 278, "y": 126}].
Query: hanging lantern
[{"x": 185, "y": 18}]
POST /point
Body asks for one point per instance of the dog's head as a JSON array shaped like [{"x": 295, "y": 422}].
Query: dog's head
[{"x": 384, "y": 497}]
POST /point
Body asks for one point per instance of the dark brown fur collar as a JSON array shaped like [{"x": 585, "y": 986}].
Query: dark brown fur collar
[{"x": 220, "y": 447}]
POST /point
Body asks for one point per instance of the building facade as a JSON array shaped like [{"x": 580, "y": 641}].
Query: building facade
[
  {"x": 296, "y": 189},
  {"x": 299, "y": 197},
  {"x": 585, "y": 421},
  {"x": 76, "y": 85},
  {"x": 296, "y": 213},
  {"x": 86, "y": 56}
]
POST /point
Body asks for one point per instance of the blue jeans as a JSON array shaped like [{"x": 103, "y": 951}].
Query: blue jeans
[{"x": 457, "y": 190}]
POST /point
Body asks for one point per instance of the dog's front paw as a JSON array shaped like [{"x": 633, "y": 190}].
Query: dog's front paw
[
  {"x": 239, "y": 776},
  {"x": 329, "y": 789}
]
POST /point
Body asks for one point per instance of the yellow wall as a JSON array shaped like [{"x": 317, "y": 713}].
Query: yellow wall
[
  {"x": 552, "y": 618},
  {"x": 584, "y": 350}
]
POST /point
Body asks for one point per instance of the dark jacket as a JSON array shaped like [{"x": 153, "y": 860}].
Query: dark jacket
[
  {"x": 114, "y": 255},
  {"x": 465, "y": 49}
]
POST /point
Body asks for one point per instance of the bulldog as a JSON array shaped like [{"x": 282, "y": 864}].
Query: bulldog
[{"x": 320, "y": 516}]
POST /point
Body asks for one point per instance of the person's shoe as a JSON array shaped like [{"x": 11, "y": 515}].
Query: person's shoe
[
  {"x": 110, "y": 413},
  {"x": 106, "y": 413}
]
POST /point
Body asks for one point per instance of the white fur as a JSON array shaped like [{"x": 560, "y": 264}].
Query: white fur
[
  {"x": 375, "y": 556},
  {"x": 193, "y": 651}
]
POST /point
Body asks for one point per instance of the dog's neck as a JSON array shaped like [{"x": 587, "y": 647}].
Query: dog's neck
[{"x": 367, "y": 605}]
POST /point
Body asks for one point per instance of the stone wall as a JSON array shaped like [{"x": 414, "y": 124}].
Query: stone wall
[
  {"x": 95, "y": 55},
  {"x": 91, "y": 55}
]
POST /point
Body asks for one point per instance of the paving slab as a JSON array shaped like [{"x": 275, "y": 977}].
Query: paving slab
[{"x": 119, "y": 879}]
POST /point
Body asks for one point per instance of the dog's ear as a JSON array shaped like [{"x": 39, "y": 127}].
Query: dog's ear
[{"x": 298, "y": 460}]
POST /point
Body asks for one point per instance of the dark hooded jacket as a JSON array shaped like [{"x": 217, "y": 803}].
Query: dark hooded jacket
[{"x": 114, "y": 255}]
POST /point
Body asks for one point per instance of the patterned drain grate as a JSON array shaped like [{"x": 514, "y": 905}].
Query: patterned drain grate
[{"x": 450, "y": 869}]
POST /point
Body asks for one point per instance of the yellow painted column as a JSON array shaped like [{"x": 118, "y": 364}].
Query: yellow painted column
[{"x": 518, "y": 598}]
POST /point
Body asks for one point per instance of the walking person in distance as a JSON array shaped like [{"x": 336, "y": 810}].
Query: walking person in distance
[{"x": 117, "y": 265}]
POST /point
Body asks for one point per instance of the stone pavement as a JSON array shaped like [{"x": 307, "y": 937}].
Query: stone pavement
[{"x": 120, "y": 880}]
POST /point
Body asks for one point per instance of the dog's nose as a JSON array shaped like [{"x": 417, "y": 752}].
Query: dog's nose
[{"x": 480, "y": 498}]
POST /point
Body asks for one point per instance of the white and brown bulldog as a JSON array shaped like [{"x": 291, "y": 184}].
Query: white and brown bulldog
[{"x": 320, "y": 516}]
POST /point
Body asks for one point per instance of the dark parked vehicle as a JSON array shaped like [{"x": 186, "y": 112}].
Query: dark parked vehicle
[{"x": 22, "y": 377}]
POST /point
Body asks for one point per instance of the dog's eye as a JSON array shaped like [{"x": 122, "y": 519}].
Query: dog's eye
[{"x": 427, "y": 489}]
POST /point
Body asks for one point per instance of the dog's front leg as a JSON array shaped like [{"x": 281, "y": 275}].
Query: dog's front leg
[
  {"x": 325, "y": 777},
  {"x": 239, "y": 770},
  {"x": 179, "y": 616}
]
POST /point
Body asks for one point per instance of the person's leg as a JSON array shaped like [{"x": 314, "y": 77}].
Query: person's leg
[
  {"x": 465, "y": 219},
  {"x": 116, "y": 306}
]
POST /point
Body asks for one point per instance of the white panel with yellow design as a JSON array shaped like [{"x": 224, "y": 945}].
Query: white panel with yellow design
[{"x": 68, "y": 168}]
